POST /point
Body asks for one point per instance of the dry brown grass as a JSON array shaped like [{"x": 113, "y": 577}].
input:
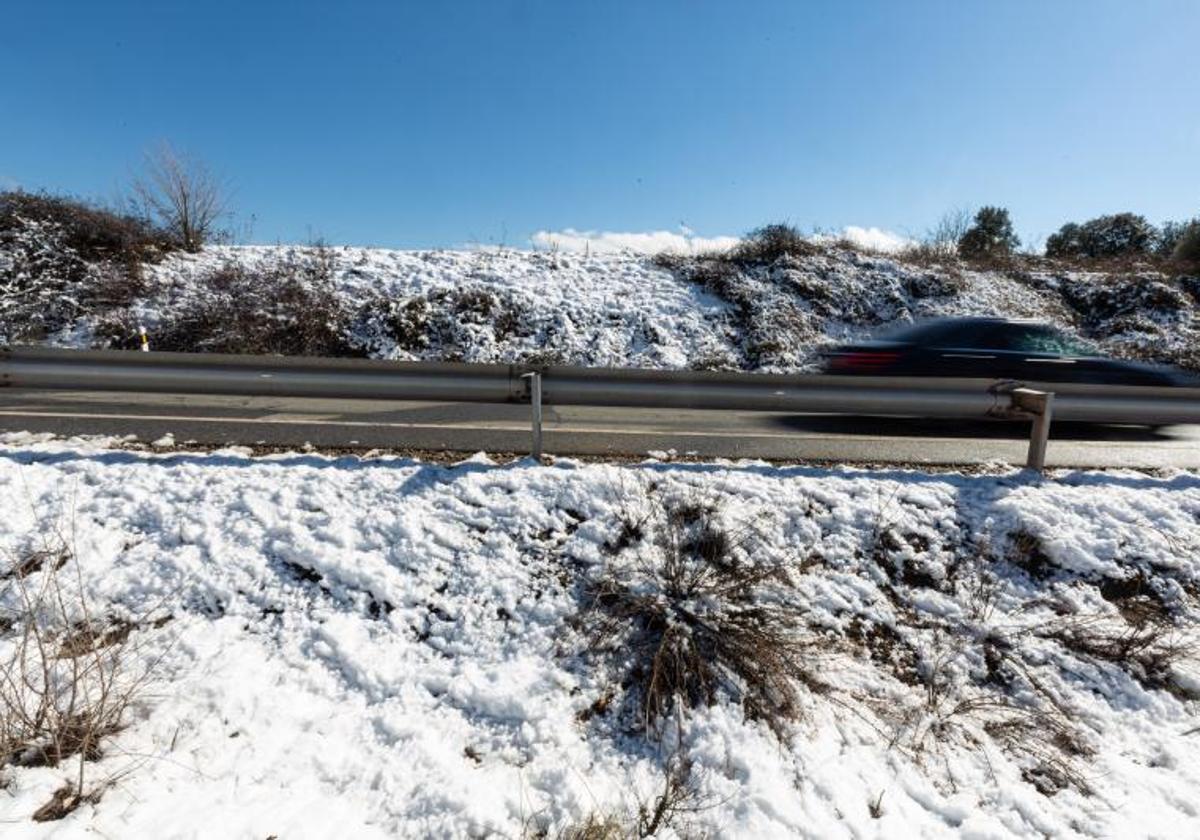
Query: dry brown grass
[
  {"x": 691, "y": 609},
  {"x": 673, "y": 809},
  {"x": 1148, "y": 648}
]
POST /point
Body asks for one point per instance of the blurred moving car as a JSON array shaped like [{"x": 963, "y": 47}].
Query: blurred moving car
[{"x": 993, "y": 348}]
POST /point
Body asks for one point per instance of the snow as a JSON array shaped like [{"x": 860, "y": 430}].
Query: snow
[{"x": 384, "y": 647}]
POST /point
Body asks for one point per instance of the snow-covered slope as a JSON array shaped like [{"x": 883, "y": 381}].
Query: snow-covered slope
[
  {"x": 762, "y": 311},
  {"x": 388, "y": 648}
]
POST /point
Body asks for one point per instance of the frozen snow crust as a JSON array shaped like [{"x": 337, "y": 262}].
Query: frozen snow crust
[{"x": 364, "y": 648}]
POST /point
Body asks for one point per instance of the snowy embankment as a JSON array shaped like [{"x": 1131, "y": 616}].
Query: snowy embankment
[
  {"x": 346, "y": 647},
  {"x": 620, "y": 310}
]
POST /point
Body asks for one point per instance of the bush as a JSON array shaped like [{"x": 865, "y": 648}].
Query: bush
[
  {"x": 290, "y": 309},
  {"x": 990, "y": 237},
  {"x": 1122, "y": 234},
  {"x": 93, "y": 233},
  {"x": 1186, "y": 252},
  {"x": 453, "y": 322},
  {"x": 1169, "y": 235},
  {"x": 62, "y": 259},
  {"x": 771, "y": 242}
]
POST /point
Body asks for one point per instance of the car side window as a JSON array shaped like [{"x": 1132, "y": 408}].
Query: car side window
[{"x": 1042, "y": 340}]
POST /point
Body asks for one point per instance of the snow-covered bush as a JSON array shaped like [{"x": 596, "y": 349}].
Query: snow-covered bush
[
  {"x": 61, "y": 260},
  {"x": 289, "y": 308},
  {"x": 456, "y": 320}
]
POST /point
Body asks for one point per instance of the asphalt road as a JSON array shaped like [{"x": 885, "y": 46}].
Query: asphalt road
[{"x": 579, "y": 430}]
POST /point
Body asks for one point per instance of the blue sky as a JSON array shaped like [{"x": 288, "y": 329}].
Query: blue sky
[{"x": 440, "y": 123}]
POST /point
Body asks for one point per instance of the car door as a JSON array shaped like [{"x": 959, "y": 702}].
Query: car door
[{"x": 965, "y": 351}]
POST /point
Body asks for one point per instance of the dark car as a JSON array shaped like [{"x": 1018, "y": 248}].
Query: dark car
[{"x": 993, "y": 348}]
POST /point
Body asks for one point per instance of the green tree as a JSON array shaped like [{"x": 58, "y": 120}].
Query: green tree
[{"x": 990, "y": 236}]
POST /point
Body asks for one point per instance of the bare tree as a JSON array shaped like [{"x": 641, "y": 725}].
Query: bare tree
[
  {"x": 943, "y": 237},
  {"x": 182, "y": 193}
]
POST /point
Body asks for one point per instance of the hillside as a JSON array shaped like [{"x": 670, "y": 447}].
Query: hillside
[{"x": 770, "y": 313}]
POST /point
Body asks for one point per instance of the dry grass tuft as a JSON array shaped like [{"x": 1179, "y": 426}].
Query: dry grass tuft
[
  {"x": 596, "y": 827},
  {"x": 692, "y": 609}
]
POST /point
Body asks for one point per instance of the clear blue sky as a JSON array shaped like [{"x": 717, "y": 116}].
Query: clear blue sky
[{"x": 438, "y": 123}]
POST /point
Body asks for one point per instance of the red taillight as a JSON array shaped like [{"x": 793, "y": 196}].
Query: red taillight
[{"x": 863, "y": 361}]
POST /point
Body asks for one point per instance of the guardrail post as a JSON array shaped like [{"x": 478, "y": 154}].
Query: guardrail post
[
  {"x": 535, "y": 399},
  {"x": 1040, "y": 404}
]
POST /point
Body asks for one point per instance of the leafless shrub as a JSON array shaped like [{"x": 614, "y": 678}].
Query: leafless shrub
[
  {"x": 940, "y": 242},
  {"x": 1008, "y": 700},
  {"x": 690, "y": 609},
  {"x": 182, "y": 193},
  {"x": 679, "y": 799},
  {"x": 94, "y": 233},
  {"x": 1048, "y": 747},
  {"x": 67, "y": 675},
  {"x": 289, "y": 308}
]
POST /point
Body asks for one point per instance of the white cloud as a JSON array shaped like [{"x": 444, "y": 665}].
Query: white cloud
[
  {"x": 7, "y": 183},
  {"x": 649, "y": 242},
  {"x": 871, "y": 238}
]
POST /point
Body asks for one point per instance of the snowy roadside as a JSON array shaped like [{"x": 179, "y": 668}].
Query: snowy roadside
[{"x": 391, "y": 648}]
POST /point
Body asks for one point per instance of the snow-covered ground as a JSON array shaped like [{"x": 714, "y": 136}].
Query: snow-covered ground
[{"x": 362, "y": 648}]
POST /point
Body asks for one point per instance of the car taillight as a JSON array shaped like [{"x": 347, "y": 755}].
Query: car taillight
[{"x": 863, "y": 360}]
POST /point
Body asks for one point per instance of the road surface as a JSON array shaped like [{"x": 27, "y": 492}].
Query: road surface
[{"x": 581, "y": 430}]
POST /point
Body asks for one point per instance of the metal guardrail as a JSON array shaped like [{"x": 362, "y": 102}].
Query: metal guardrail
[{"x": 115, "y": 370}]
